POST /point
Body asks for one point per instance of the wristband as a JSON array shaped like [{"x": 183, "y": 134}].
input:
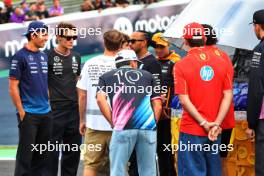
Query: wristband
[
  {"x": 203, "y": 123},
  {"x": 217, "y": 124}
]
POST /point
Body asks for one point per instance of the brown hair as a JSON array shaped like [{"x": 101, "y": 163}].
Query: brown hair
[
  {"x": 63, "y": 27},
  {"x": 113, "y": 40},
  {"x": 125, "y": 37},
  {"x": 262, "y": 26}
]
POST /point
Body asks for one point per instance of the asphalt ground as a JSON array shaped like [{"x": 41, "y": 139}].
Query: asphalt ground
[{"x": 7, "y": 168}]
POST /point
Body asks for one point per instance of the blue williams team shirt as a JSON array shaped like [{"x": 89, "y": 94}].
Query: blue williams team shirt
[{"x": 31, "y": 69}]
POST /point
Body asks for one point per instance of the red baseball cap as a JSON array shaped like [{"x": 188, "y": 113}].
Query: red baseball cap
[
  {"x": 193, "y": 31},
  {"x": 8, "y": 2}
]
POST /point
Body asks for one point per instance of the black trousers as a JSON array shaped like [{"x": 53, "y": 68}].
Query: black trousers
[
  {"x": 259, "y": 147},
  {"x": 65, "y": 130},
  {"x": 34, "y": 131},
  {"x": 166, "y": 158}
]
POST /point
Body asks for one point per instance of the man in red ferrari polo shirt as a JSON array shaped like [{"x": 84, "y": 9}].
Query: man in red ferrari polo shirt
[
  {"x": 229, "y": 121},
  {"x": 204, "y": 86}
]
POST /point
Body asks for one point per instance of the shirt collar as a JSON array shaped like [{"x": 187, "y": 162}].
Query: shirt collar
[{"x": 195, "y": 50}]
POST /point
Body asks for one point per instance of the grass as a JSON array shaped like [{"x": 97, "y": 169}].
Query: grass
[
  {"x": 3, "y": 147},
  {"x": 8, "y": 151}
]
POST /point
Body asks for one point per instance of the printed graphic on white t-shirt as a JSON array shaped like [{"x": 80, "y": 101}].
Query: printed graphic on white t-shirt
[{"x": 92, "y": 70}]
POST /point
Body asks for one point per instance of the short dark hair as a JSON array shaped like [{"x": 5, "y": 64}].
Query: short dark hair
[
  {"x": 125, "y": 63},
  {"x": 147, "y": 36},
  {"x": 28, "y": 36},
  {"x": 22, "y": 2},
  {"x": 32, "y": 3},
  {"x": 195, "y": 42},
  {"x": 210, "y": 35},
  {"x": 60, "y": 28},
  {"x": 113, "y": 40}
]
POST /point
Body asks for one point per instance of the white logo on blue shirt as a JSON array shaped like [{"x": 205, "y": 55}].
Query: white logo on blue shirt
[
  {"x": 207, "y": 73},
  {"x": 30, "y": 57}
]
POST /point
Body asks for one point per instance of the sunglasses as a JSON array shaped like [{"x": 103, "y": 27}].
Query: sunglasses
[
  {"x": 68, "y": 38},
  {"x": 134, "y": 41}
]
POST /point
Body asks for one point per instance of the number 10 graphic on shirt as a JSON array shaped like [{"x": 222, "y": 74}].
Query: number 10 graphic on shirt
[{"x": 131, "y": 76}]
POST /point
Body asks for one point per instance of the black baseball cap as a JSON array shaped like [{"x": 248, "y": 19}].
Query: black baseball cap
[{"x": 258, "y": 17}]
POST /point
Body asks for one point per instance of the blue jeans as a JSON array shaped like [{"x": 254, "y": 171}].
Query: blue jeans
[
  {"x": 198, "y": 161},
  {"x": 121, "y": 146}
]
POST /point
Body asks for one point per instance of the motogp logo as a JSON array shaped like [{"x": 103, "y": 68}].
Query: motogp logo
[{"x": 207, "y": 73}]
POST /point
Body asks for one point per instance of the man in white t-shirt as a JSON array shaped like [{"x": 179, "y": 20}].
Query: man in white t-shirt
[{"x": 95, "y": 127}]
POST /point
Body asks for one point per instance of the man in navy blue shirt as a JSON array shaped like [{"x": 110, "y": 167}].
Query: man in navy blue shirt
[
  {"x": 139, "y": 42},
  {"x": 28, "y": 87},
  {"x": 135, "y": 109}
]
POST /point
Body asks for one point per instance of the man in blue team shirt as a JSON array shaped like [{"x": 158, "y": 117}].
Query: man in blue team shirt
[
  {"x": 135, "y": 108},
  {"x": 28, "y": 89}
]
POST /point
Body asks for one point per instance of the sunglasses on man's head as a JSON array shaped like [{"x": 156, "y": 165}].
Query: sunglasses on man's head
[
  {"x": 68, "y": 38},
  {"x": 134, "y": 40}
]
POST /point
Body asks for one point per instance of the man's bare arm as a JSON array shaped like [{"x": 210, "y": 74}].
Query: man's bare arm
[
  {"x": 104, "y": 106},
  {"x": 223, "y": 110},
  {"x": 15, "y": 95},
  {"x": 224, "y": 106},
  {"x": 82, "y": 99},
  {"x": 157, "y": 108}
]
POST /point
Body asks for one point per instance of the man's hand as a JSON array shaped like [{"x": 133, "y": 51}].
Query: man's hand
[
  {"x": 208, "y": 125},
  {"x": 82, "y": 98},
  {"x": 214, "y": 133},
  {"x": 15, "y": 95},
  {"x": 22, "y": 114},
  {"x": 106, "y": 110},
  {"x": 166, "y": 112},
  {"x": 157, "y": 108},
  {"x": 82, "y": 128},
  {"x": 163, "y": 98},
  {"x": 250, "y": 134}
]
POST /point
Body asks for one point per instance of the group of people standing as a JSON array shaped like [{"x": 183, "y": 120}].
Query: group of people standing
[{"x": 126, "y": 131}]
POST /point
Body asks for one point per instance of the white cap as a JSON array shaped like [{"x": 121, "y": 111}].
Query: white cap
[
  {"x": 126, "y": 55},
  {"x": 2, "y": 5}
]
